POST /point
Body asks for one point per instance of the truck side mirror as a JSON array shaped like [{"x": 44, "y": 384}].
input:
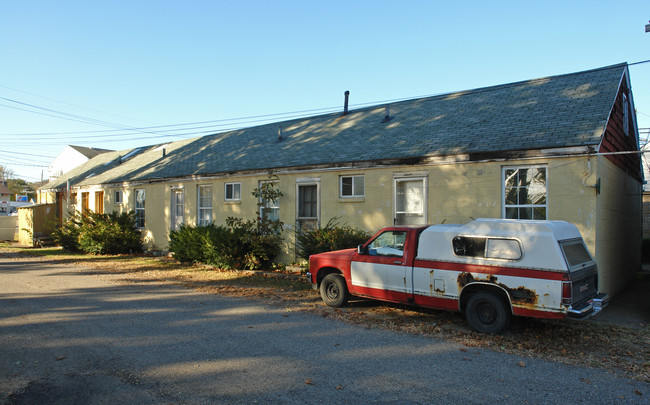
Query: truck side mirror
[{"x": 362, "y": 250}]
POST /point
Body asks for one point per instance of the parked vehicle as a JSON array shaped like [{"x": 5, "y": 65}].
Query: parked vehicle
[{"x": 489, "y": 269}]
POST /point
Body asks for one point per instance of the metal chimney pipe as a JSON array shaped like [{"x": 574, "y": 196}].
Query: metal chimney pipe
[{"x": 345, "y": 105}]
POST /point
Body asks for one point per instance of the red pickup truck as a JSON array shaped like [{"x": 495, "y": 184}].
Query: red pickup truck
[{"x": 489, "y": 269}]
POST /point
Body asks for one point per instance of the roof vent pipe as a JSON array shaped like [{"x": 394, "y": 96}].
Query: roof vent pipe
[
  {"x": 386, "y": 114},
  {"x": 164, "y": 152},
  {"x": 279, "y": 133},
  {"x": 345, "y": 105}
]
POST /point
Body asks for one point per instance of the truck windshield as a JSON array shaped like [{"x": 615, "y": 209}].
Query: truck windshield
[{"x": 575, "y": 253}]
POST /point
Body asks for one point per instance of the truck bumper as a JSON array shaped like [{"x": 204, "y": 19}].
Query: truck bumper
[
  {"x": 313, "y": 285},
  {"x": 589, "y": 308}
]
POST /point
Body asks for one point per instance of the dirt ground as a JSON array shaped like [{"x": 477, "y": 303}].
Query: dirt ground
[{"x": 620, "y": 344}]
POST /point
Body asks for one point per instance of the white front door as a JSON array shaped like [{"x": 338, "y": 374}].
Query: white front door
[
  {"x": 308, "y": 212},
  {"x": 410, "y": 201}
]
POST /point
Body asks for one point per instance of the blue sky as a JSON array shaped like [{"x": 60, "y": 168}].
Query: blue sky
[{"x": 119, "y": 65}]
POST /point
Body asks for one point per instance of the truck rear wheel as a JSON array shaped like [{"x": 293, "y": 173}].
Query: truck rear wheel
[
  {"x": 487, "y": 313},
  {"x": 333, "y": 290}
]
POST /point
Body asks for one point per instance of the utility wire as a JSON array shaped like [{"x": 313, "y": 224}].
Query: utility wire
[
  {"x": 26, "y": 154},
  {"x": 163, "y": 130}
]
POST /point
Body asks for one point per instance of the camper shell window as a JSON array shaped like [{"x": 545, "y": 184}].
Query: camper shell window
[{"x": 489, "y": 248}]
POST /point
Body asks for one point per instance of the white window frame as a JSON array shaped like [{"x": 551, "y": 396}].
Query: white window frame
[
  {"x": 140, "y": 211},
  {"x": 232, "y": 197},
  {"x": 203, "y": 208},
  {"x": 118, "y": 196},
  {"x": 354, "y": 179},
  {"x": 504, "y": 207},
  {"x": 273, "y": 206},
  {"x": 425, "y": 196},
  {"x": 175, "y": 219}
]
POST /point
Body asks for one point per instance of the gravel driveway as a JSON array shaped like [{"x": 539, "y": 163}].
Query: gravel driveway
[{"x": 73, "y": 335}]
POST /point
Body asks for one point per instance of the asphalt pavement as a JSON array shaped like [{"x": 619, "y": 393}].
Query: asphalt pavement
[{"x": 75, "y": 335}]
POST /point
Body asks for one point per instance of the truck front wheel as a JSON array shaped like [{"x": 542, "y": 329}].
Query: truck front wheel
[
  {"x": 334, "y": 291},
  {"x": 487, "y": 313}
]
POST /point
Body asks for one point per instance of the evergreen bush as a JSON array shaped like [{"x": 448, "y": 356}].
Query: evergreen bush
[
  {"x": 100, "y": 233},
  {"x": 331, "y": 237}
]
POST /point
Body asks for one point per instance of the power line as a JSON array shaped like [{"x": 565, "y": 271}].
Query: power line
[
  {"x": 70, "y": 104},
  {"x": 26, "y": 154},
  {"x": 164, "y": 130}
]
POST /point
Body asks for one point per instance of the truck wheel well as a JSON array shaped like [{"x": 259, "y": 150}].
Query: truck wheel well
[
  {"x": 473, "y": 288},
  {"x": 324, "y": 272}
]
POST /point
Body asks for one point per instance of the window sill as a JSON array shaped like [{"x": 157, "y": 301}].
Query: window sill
[
  {"x": 232, "y": 202},
  {"x": 352, "y": 199}
]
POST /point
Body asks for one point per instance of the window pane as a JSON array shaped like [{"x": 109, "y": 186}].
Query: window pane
[
  {"x": 307, "y": 202},
  {"x": 346, "y": 186},
  {"x": 575, "y": 252},
  {"x": 503, "y": 249},
  {"x": 236, "y": 193},
  {"x": 511, "y": 196},
  {"x": 525, "y": 176},
  {"x": 539, "y": 213},
  {"x": 511, "y": 178},
  {"x": 388, "y": 244},
  {"x": 525, "y": 213},
  {"x": 358, "y": 186}
]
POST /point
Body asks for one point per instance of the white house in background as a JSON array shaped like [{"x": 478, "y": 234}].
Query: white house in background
[{"x": 71, "y": 157}]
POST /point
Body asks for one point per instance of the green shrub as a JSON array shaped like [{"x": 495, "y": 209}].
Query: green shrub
[
  {"x": 239, "y": 245},
  {"x": 188, "y": 243},
  {"x": 99, "y": 233},
  {"x": 331, "y": 237},
  {"x": 67, "y": 235}
]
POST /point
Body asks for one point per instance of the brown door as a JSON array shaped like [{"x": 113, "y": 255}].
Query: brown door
[{"x": 99, "y": 202}]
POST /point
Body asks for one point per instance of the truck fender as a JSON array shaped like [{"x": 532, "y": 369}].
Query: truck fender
[
  {"x": 324, "y": 271},
  {"x": 475, "y": 287}
]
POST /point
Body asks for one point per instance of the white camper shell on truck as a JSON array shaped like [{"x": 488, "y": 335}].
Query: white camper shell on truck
[{"x": 489, "y": 269}]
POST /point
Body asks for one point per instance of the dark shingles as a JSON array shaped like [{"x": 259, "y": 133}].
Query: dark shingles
[{"x": 558, "y": 111}]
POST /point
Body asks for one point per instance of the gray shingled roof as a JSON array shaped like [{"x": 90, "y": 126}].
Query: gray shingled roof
[
  {"x": 89, "y": 152},
  {"x": 553, "y": 112}
]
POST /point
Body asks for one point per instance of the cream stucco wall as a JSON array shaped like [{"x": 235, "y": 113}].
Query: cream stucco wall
[
  {"x": 618, "y": 227},
  {"x": 455, "y": 193}
]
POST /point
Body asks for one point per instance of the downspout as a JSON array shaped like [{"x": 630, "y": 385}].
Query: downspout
[{"x": 588, "y": 174}]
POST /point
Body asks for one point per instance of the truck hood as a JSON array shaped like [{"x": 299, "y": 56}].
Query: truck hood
[{"x": 337, "y": 254}]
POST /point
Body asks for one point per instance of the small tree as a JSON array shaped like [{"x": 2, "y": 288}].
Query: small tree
[{"x": 263, "y": 237}]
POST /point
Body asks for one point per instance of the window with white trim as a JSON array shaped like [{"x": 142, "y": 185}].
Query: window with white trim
[
  {"x": 233, "y": 192},
  {"x": 118, "y": 195},
  {"x": 525, "y": 192},
  {"x": 139, "y": 207},
  {"x": 351, "y": 186},
  {"x": 205, "y": 205},
  {"x": 270, "y": 208}
]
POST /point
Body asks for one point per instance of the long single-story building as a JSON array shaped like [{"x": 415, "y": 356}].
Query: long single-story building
[{"x": 562, "y": 147}]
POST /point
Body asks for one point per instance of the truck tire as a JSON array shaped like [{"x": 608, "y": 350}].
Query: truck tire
[
  {"x": 333, "y": 290},
  {"x": 487, "y": 313}
]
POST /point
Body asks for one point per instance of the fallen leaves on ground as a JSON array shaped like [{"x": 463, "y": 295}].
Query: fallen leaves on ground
[{"x": 619, "y": 349}]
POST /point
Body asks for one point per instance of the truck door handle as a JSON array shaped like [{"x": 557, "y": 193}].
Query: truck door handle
[{"x": 397, "y": 262}]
